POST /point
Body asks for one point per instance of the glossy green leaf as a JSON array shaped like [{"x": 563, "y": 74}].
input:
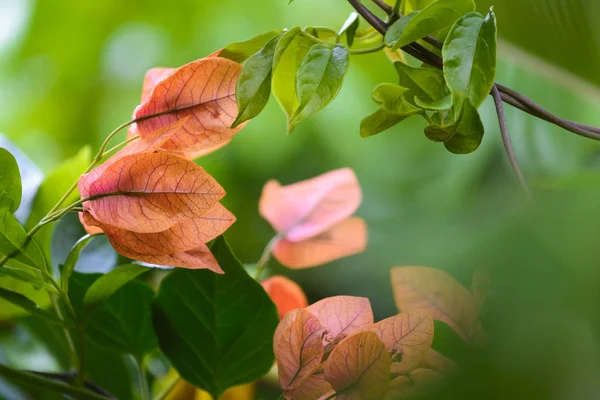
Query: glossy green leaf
[
  {"x": 379, "y": 121},
  {"x": 350, "y": 27},
  {"x": 409, "y": 6},
  {"x": 319, "y": 80},
  {"x": 392, "y": 99},
  {"x": 10, "y": 182},
  {"x": 444, "y": 103},
  {"x": 71, "y": 261},
  {"x": 254, "y": 84},
  {"x": 323, "y": 33},
  {"x": 435, "y": 19},
  {"x": 108, "y": 284},
  {"x": 470, "y": 58},
  {"x": 463, "y": 136},
  {"x": 395, "y": 31},
  {"x": 15, "y": 243},
  {"x": 290, "y": 51},
  {"x": 426, "y": 83},
  {"x": 449, "y": 343},
  {"x": 51, "y": 190},
  {"x": 26, "y": 304},
  {"x": 216, "y": 330},
  {"x": 121, "y": 323},
  {"x": 241, "y": 51}
]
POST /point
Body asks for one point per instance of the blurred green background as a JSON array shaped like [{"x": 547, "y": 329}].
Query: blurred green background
[{"x": 71, "y": 71}]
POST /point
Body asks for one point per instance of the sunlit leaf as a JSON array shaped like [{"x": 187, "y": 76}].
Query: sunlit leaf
[
  {"x": 433, "y": 290},
  {"x": 342, "y": 315},
  {"x": 350, "y": 27},
  {"x": 435, "y": 19},
  {"x": 298, "y": 348},
  {"x": 241, "y": 51},
  {"x": 358, "y": 368},
  {"x": 285, "y": 293},
  {"x": 14, "y": 242},
  {"x": 469, "y": 54},
  {"x": 319, "y": 79},
  {"x": 216, "y": 330},
  {"x": 254, "y": 84},
  {"x": 409, "y": 6},
  {"x": 71, "y": 261},
  {"x": 26, "y": 304},
  {"x": 378, "y": 122},
  {"x": 310, "y": 207},
  {"x": 392, "y": 98},
  {"x": 10, "y": 182},
  {"x": 407, "y": 336},
  {"x": 344, "y": 239}
]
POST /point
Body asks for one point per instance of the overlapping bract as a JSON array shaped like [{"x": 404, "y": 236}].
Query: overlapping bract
[
  {"x": 313, "y": 218},
  {"x": 334, "y": 346},
  {"x": 285, "y": 293},
  {"x": 149, "y": 199}
]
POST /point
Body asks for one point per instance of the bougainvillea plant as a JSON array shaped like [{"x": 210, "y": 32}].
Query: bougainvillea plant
[{"x": 180, "y": 295}]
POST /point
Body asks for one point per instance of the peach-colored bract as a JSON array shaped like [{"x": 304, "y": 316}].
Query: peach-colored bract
[
  {"x": 285, "y": 293},
  {"x": 313, "y": 218}
]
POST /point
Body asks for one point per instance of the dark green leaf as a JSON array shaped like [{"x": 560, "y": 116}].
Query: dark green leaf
[
  {"x": 463, "y": 136},
  {"x": 51, "y": 190},
  {"x": 449, "y": 343},
  {"x": 15, "y": 243},
  {"x": 254, "y": 85},
  {"x": 216, "y": 330},
  {"x": 470, "y": 58},
  {"x": 122, "y": 323},
  {"x": 350, "y": 27},
  {"x": 108, "y": 284},
  {"x": 319, "y": 80},
  {"x": 27, "y": 281},
  {"x": 69, "y": 265},
  {"x": 290, "y": 51},
  {"x": 378, "y": 122},
  {"x": 426, "y": 83},
  {"x": 435, "y": 19},
  {"x": 26, "y": 304},
  {"x": 10, "y": 182},
  {"x": 241, "y": 51}
]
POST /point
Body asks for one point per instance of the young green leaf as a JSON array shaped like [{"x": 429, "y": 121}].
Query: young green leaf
[
  {"x": 350, "y": 27},
  {"x": 323, "y": 33},
  {"x": 290, "y": 51},
  {"x": 108, "y": 284},
  {"x": 441, "y": 104},
  {"x": 71, "y": 261},
  {"x": 425, "y": 83},
  {"x": 216, "y": 330},
  {"x": 122, "y": 322},
  {"x": 53, "y": 187},
  {"x": 409, "y": 6},
  {"x": 470, "y": 58},
  {"x": 10, "y": 182},
  {"x": 26, "y": 304},
  {"x": 254, "y": 84},
  {"x": 320, "y": 78},
  {"x": 392, "y": 98},
  {"x": 14, "y": 242},
  {"x": 435, "y": 19},
  {"x": 241, "y": 51},
  {"x": 463, "y": 136},
  {"x": 379, "y": 121}
]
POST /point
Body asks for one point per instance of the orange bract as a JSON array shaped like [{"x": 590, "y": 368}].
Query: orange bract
[{"x": 285, "y": 293}]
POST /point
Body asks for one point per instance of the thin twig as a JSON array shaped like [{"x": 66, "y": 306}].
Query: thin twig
[{"x": 512, "y": 157}]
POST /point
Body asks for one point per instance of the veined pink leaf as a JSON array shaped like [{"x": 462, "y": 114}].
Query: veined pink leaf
[
  {"x": 316, "y": 387},
  {"x": 407, "y": 336},
  {"x": 298, "y": 348},
  {"x": 203, "y": 90},
  {"x": 149, "y": 192},
  {"x": 358, "y": 368},
  {"x": 308, "y": 208},
  {"x": 344, "y": 239},
  {"x": 342, "y": 315}
]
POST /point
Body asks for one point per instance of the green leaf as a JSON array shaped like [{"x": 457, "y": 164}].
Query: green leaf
[
  {"x": 319, "y": 80},
  {"x": 392, "y": 99},
  {"x": 350, "y": 27},
  {"x": 463, "y": 136},
  {"x": 108, "y": 284},
  {"x": 71, "y": 261},
  {"x": 241, "y": 51},
  {"x": 323, "y": 33},
  {"x": 216, "y": 330},
  {"x": 10, "y": 182},
  {"x": 254, "y": 84},
  {"x": 449, "y": 343},
  {"x": 27, "y": 281},
  {"x": 26, "y": 304},
  {"x": 444, "y": 103},
  {"x": 470, "y": 58},
  {"x": 14, "y": 242},
  {"x": 122, "y": 323},
  {"x": 426, "y": 83},
  {"x": 379, "y": 121},
  {"x": 435, "y": 19},
  {"x": 51, "y": 190},
  {"x": 409, "y": 6},
  {"x": 290, "y": 51}
]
